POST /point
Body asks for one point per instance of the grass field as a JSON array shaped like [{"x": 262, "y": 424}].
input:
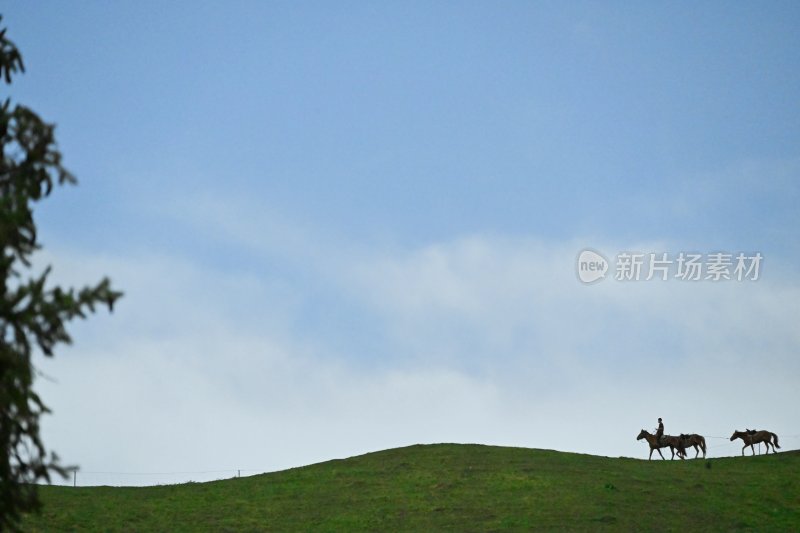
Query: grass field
[{"x": 454, "y": 487}]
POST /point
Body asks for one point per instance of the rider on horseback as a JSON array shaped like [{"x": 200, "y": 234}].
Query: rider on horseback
[{"x": 659, "y": 431}]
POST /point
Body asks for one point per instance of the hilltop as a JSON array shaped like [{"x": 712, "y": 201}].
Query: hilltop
[{"x": 453, "y": 487}]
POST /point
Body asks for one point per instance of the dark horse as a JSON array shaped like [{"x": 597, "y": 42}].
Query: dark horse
[
  {"x": 666, "y": 440},
  {"x": 695, "y": 440},
  {"x": 754, "y": 438}
]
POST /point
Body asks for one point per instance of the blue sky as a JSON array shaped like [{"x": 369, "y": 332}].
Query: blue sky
[{"x": 361, "y": 221}]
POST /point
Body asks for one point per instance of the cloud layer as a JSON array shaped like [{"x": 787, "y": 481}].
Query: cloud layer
[{"x": 482, "y": 339}]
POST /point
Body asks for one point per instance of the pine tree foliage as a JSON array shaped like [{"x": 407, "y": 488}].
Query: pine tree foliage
[{"x": 33, "y": 314}]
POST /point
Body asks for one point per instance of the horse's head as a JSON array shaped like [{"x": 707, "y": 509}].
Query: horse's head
[
  {"x": 642, "y": 434},
  {"x": 736, "y": 435}
]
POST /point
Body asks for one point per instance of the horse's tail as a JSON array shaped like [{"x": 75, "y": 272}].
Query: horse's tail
[
  {"x": 703, "y": 444},
  {"x": 774, "y": 436}
]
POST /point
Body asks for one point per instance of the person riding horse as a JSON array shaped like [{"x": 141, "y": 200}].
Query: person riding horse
[{"x": 660, "y": 430}]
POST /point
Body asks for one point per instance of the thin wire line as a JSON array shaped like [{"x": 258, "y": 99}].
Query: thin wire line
[{"x": 160, "y": 473}]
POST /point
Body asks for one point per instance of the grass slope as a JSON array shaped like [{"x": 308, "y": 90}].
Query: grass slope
[{"x": 454, "y": 487}]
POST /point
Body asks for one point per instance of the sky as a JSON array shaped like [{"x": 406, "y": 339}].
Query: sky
[{"x": 345, "y": 227}]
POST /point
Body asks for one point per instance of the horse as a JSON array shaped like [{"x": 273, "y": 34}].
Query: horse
[
  {"x": 666, "y": 440},
  {"x": 698, "y": 441},
  {"x": 754, "y": 438}
]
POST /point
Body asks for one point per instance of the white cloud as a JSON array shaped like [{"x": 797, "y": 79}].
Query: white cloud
[{"x": 483, "y": 339}]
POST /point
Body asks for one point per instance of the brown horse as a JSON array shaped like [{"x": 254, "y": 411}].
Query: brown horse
[
  {"x": 695, "y": 440},
  {"x": 754, "y": 438},
  {"x": 666, "y": 440}
]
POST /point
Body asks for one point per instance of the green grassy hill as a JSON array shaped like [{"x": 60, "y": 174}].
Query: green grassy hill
[{"x": 454, "y": 487}]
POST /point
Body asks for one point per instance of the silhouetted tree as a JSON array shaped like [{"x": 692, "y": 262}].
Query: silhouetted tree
[{"x": 33, "y": 315}]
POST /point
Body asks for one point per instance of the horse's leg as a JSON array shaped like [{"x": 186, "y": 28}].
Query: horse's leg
[
  {"x": 681, "y": 452},
  {"x": 696, "y": 451},
  {"x": 659, "y": 453}
]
